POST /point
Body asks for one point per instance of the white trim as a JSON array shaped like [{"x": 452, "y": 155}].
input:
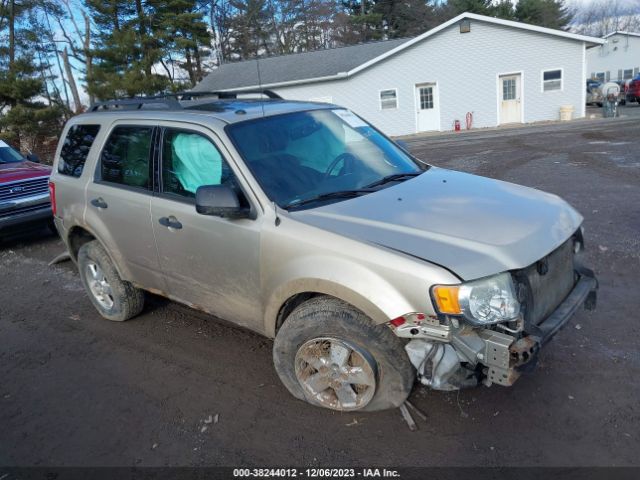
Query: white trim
[
  {"x": 436, "y": 102},
  {"x": 472, "y": 16},
  {"x": 499, "y": 94},
  {"x": 542, "y": 72},
  {"x": 380, "y": 99},
  {"x": 583, "y": 106},
  {"x": 630, "y": 34}
]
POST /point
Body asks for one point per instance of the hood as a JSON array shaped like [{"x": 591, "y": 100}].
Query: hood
[
  {"x": 471, "y": 225},
  {"x": 10, "y": 172}
]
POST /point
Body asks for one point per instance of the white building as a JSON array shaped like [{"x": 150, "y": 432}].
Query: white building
[
  {"x": 617, "y": 59},
  {"x": 496, "y": 71}
]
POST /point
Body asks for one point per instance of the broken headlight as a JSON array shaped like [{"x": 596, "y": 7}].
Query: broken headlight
[{"x": 481, "y": 302}]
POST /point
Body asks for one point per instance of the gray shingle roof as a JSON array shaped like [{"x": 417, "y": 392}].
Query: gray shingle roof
[{"x": 298, "y": 66}]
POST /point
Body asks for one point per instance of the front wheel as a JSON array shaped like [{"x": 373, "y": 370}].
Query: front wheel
[{"x": 331, "y": 355}]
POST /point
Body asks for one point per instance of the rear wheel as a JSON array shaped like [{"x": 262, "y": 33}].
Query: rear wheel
[
  {"x": 114, "y": 298},
  {"x": 331, "y": 355}
]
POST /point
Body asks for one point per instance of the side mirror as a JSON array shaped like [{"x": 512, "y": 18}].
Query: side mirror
[
  {"x": 32, "y": 157},
  {"x": 219, "y": 201}
]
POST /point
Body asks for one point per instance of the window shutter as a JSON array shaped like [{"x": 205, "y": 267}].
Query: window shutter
[
  {"x": 608, "y": 76},
  {"x": 619, "y": 74}
]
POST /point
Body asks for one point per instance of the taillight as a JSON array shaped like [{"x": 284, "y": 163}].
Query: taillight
[{"x": 52, "y": 194}]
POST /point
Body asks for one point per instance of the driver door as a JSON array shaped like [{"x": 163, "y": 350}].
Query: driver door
[{"x": 209, "y": 263}]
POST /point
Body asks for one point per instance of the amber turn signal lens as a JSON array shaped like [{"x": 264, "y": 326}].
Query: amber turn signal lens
[{"x": 446, "y": 297}]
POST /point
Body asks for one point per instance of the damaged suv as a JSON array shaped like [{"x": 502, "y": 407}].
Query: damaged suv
[{"x": 301, "y": 221}]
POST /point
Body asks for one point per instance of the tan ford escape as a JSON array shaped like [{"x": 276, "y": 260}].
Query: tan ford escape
[{"x": 304, "y": 223}]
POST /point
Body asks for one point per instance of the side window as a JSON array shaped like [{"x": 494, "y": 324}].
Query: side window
[
  {"x": 189, "y": 161},
  {"x": 125, "y": 157},
  {"x": 388, "y": 99},
  {"x": 75, "y": 149},
  {"x": 552, "y": 80}
]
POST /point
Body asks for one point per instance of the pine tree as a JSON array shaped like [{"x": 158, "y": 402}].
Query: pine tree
[
  {"x": 24, "y": 69},
  {"x": 405, "y": 18},
  {"x": 481, "y": 7},
  {"x": 125, "y": 50},
  {"x": 504, "y": 9},
  {"x": 182, "y": 39},
  {"x": 252, "y": 34},
  {"x": 545, "y": 13}
]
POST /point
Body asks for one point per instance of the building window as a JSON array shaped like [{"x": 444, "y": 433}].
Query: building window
[
  {"x": 636, "y": 71},
  {"x": 600, "y": 76},
  {"x": 509, "y": 89},
  {"x": 627, "y": 74},
  {"x": 426, "y": 98},
  {"x": 388, "y": 99},
  {"x": 552, "y": 80},
  {"x": 608, "y": 76}
]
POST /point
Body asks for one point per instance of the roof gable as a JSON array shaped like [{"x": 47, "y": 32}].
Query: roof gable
[{"x": 343, "y": 62}]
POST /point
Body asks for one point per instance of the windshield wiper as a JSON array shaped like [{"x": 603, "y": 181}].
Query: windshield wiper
[
  {"x": 328, "y": 196},
  {"x": 392, "y": 178}
]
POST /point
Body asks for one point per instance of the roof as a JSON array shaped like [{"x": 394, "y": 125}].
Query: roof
[
  {"x": 298, "y": 66},
  {"x": 629, "y": 34},
  {"x": 336, "y": 63}
]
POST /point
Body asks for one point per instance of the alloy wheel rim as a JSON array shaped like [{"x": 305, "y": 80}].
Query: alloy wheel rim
[
  {"x": 99, "y": 285},
  {"x": 335, "y": 373}
]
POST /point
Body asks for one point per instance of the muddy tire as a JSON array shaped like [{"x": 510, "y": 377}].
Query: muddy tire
[
  {"x": 114, "y": 298},
  {"x": 326, "y": 342}
]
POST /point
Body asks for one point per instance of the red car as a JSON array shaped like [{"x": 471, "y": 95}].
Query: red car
[
  {"x": 633, "y": 91},
  {"x": 24, "y": 190}
]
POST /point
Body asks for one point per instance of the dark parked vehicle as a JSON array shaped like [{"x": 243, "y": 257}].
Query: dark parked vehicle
[
  {"x": 24, "y": 190},
  {"x": 633, "y": 91}
]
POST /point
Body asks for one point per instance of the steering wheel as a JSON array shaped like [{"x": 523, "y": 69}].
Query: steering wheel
[{"x": 348, "y": 159}]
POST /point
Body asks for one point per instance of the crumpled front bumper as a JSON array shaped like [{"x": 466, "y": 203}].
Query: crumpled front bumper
[
  {"x": 494, "y": 356},
  {"x": 506, "y": 359}
]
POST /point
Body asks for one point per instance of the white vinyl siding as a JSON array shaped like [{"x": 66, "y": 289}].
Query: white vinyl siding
[{"x": 481, "y": 52}]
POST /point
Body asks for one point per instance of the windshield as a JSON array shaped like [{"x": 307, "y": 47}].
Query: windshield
[
  {"x": 303, "y": 155},
  {"x": 8, "y": 154}
]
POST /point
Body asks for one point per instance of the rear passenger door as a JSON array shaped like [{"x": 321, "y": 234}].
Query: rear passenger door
[
  {"x": 210, "y": 263},
  {"x": 119, "y": 202}
]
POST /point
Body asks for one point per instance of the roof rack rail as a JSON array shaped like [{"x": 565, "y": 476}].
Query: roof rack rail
[
  {"x": 172, "y": 100},
  {"x": 137, "y": 103},
  {"x": 230, "y": 94}
]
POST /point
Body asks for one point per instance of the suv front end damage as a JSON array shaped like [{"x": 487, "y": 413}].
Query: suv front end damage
[{"x": 490, "y": 331}]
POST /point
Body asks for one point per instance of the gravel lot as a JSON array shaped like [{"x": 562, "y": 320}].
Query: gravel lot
[{"x": 78, "y": 390}]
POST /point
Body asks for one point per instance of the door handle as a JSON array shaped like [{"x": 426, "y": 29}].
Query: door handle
[
  {"x": 170, "y": 222},
  {"x": 99, "y": 203}
]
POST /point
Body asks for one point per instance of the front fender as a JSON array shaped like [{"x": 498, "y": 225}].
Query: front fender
[{"x": 353, "y": 283}]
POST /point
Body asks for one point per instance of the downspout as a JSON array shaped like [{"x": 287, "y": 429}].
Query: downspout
[{"x": 583, "y": 107}]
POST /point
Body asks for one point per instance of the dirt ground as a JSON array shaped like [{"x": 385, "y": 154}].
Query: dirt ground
[{"x": 78, "y": 390}]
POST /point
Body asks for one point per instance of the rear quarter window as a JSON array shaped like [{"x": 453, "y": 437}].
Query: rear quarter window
[{"x": 75, "y": 149}]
